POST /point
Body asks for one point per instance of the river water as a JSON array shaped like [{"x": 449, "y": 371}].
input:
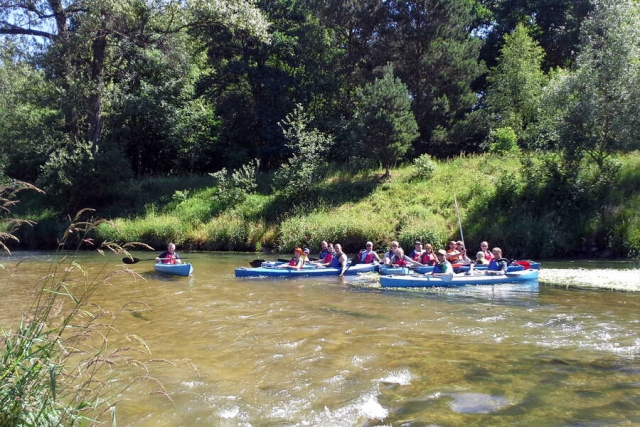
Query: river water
[{"x": 344, "y": 352}]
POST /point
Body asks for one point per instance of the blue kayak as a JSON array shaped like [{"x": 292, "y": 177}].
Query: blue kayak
[
  {"x": 174, "y": 269},
  {"x": 428, "y": 281},
  {"x": 305, "y": 272},
  {"x": 388, "y": 270},
  {"x": 463, "y": 268}
]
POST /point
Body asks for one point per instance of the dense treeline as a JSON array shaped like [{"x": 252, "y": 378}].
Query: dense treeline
[{"x": 98, "y": 93}]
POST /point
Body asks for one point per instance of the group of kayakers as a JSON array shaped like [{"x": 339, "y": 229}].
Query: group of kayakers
[{"x": 331, "y": 255}]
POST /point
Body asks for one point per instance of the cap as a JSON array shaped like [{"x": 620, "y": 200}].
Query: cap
[
  {"x": 418, "y": 242},
  {"x": 442, "y": 252},
  {"x": 369, "y": 243},
  {"x": 306, "y": 250}
]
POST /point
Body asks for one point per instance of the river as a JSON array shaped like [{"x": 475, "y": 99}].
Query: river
[{"x": 344, "y": 352}]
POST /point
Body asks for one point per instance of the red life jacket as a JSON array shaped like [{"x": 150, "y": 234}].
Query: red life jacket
[
  {"x": 428, "y": 258},
  {"x": 294, "y": 262},
  {"x": 368, "y": 258},
  {"x": 401, "y": 262}
]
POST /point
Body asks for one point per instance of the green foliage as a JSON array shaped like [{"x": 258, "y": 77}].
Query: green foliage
[
  {"x": 425, "y": 166},
  {"x": 384, "y": 124},
  {"x": 233, "y": 188},
  {"x": 503, "y": 140},
  {"x": 75, "y": 165},
  {"x": 600, "y": 98},
  {"x": 306, "y": 162},
  {"x": 516, "y": 83}
]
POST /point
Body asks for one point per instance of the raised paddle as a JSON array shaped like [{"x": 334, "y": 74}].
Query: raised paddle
[{"x": 128, "y": 260}]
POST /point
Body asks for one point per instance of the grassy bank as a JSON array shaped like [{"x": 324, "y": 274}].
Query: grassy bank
[
  {"x": 523, "y": 209},
  {"x": 523, "y": 204}
]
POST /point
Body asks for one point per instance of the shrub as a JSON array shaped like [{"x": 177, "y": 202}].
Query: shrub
[
  {"x": 425, "y": 166},
  {"x": 503, "y": 140}
]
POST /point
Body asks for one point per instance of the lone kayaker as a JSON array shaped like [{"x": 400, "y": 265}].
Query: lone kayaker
[{"x": 170, "y": 256}]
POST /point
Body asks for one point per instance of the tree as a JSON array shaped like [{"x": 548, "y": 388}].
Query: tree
[
  {"x": 384, "y": 124},
  {"x": 601, "y": 97},
  {"x": 516, "y": 83},
  {"x": 435, "y": 52}
]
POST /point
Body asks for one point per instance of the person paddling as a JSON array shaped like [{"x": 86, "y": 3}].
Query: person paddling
[{"x": 170, "y": 256}]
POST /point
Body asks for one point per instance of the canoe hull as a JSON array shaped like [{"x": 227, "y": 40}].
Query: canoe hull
[
  {"x": 427, "y": 281},
  {"x": 305, "y": 272},
  {"x": 183, "y": 270}
]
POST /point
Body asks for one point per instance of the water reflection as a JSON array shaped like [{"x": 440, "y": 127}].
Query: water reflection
[{"x": 331, "y": 352}]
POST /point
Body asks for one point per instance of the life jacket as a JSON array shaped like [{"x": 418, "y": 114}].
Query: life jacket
[
  {"x": 428, "y": 258},
  {"x": 401, "y": 262},
  {"x": 322, "y": 254},
  {"x": 416, "y": 255},
  {"x": 169, "y": 258},
  {"x": 488, "y": 255},
  {"x": 365, "y": 257},
  {"x": 494, "y": 264},
  {"x": 327, "y": 258},
  {"x": 453, "y": 258},
  {"x": 294, "y": 262},
  {"x": 439, "y": 267}
]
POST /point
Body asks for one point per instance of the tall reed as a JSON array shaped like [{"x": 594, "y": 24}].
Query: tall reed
[{"x": 58, "y": 366}]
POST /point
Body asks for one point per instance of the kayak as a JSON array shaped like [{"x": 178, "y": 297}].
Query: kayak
[
  {"x": 388, "y": 270},
  {"x": 427, "y": 281},
  {"x": 174, "y": 269},
  {"x": 463, "y": 268},
  {"x": 305, "y": 272}
]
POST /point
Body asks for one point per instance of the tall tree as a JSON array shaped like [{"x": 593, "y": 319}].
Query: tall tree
[
  {"x": 601, "y": 97},
  {"x": 516, "y": 83},
  {"x": 432, "y": 45},
  {"x": 556, "y": 23},
  {"x": 384, "y": 124}
]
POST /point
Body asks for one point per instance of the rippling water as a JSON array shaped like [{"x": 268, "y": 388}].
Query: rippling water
[{"x": 332, "y": 352}]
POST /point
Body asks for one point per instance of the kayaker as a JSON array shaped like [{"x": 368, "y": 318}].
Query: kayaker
[
  {"x": 368, "y": 255},
  {"x": 428, "y": 257},
  {"x": 324, "y": 250},
  {"x": 296, "y": 261},
  {"x": 443, "y": 266},
  {"x": 170, "y": 256},
  {"x": 462, "y": 258},
  {"x": 386, "y": 259},
  {"x": 399, "y": 260},
  {"x": 497, "y": 265},
  {"x": 339, "y": 259},
  {"x": 417, "y": 252},
  {"x": 484, "y": 247},
  {"x": 452, "y": 254},
  {"x": 480, "y": 259},
  {"x": 305, "y": 255}
]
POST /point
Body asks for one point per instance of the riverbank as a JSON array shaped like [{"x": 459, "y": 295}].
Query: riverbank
[{"x": 515, "y": 202}]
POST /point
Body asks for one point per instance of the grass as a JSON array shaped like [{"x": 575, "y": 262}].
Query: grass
[
  {"x": 527, "y": 210},
  {"x": 57, "y": 364}
]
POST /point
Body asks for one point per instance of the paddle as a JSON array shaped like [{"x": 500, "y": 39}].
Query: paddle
[
  {"x": 459, "y": 222},
  {"x": 128, "y": 260}
]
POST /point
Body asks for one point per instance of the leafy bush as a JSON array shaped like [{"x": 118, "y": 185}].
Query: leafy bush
[
  {"x": 425, "y": 166},
  {"x": 503, "y": 140},
  {"x": 307, "y": 146}
]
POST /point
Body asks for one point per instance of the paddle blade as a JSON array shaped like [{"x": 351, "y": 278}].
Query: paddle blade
[
  {"x": 256, "y": 263},
  {"x": 128, "y": 260}
]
